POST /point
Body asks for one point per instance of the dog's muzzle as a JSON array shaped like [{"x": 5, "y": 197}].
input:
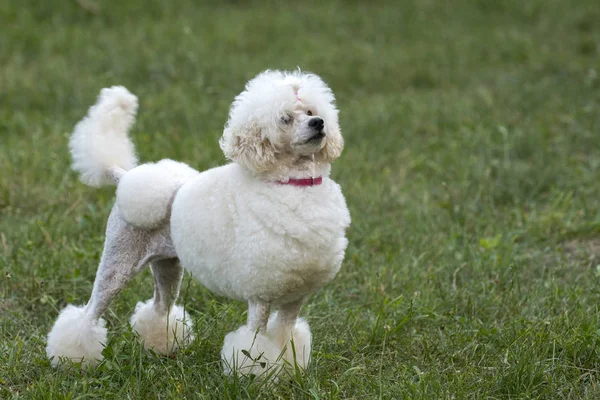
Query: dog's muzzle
[{"x": 316, "y": 124}]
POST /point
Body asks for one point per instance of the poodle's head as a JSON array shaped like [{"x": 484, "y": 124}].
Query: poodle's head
[{"x": 280, "y": 119}]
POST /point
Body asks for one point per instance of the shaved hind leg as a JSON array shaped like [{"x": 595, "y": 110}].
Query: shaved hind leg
[{"x": 79, "y": 333}]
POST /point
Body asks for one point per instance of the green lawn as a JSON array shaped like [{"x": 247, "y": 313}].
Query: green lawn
[{"x": 471, "y": 169}]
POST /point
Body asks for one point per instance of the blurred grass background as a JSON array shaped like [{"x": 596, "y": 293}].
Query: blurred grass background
[{"x": 471, "y": 170}]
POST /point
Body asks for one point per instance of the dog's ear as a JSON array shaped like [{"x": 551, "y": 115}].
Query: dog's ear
[
  {"x": 247, "y": 146},
  {"x": 333, "y": 146}
]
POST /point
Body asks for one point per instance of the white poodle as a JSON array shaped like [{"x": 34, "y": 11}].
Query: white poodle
[{"x": 268, "y": 228}]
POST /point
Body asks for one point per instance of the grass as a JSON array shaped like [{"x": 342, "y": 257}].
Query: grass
[{"x": 471, "y": 169}]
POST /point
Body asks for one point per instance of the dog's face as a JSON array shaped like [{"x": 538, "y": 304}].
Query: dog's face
[
  {"x": 304, "y": 129},
  {"x": 282, "y": 118}
]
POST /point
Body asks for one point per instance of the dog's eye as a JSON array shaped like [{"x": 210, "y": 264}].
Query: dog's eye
[
  {"x": 309, "y": 112},
  {"x": 287, "y": 119}
]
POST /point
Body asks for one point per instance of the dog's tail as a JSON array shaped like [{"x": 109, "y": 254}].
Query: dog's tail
[{"x": 101, "y": 150}]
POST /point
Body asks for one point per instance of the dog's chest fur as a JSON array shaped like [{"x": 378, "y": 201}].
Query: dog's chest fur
[{"x": 247, "y": 239}]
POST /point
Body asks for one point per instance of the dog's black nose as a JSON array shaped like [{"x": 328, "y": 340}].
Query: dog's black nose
[{"x": 316, "y": 123}]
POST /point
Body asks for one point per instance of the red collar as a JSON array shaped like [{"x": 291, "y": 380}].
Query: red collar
[{"x": 303, "y": 182}]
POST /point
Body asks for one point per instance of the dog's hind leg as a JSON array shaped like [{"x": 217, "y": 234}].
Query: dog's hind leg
[
  {"x": 79, "y": 333},
  {"x": 162, "y": 325}
]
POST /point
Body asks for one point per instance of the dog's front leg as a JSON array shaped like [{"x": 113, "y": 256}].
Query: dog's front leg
[
  {"x": 258, "y": 315},
  {"x": 291, "y": 333},
  {"x": 249, "y": 350}
]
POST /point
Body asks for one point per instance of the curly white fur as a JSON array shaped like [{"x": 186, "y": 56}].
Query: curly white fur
[
  {"x": 162, "y": 332},
  {"x": 248, "y": 239},
  {"x": 99, "y": 145},
  {"x": 244, "y": 235},
  {"x": 255, "y": 137},
  {"x": 241, "y": 233},
  {"x": 76, "y": 336},
  {"x": 145, "y": 194}
]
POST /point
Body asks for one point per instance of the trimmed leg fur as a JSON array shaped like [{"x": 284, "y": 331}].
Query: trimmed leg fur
[
  {"x": 76, "y": 336},
  {"x": 248, "y": 352},
  {"x": 79, "y": 333},
  {"x": 264, "y": 345},
  {"x": 163, "y": 332},
  {"x": 299, "y": 353}
]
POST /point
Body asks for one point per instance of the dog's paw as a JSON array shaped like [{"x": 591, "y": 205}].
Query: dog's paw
[
  {"x": 299, "y": 351},
  {"x": 297, "y": 345},
  {"x": 250, "y": 353},
  {"x": 164, "y": 333},
  {"x": 77, "y": 337}
]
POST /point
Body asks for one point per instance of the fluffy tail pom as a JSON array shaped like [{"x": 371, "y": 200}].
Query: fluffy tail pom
[{"x": 99, "y": 145}]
